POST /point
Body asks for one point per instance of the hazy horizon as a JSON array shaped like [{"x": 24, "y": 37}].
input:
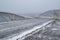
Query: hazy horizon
[{"x": 23, "y": 7}]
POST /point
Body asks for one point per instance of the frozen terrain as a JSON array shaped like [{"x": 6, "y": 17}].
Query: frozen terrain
[
  {"x": 21, "y": 29},
  {"x": 13, "y": 28},
  {"x": 50, "y": 32}
]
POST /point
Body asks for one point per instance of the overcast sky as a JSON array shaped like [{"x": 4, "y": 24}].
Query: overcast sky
[{"x": 28, "y": 6}]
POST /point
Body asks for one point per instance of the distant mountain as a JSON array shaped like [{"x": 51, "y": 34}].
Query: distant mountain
[
  {"x": 50, "y": 14},
  {"x": 5, "y": 16}
]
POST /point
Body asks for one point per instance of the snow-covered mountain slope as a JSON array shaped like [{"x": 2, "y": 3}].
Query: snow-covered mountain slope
[{"x": 5, "y": 16}]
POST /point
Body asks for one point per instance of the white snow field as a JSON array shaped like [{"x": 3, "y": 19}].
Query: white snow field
[
  {"x": 15, "y": 28},
  {"x": 44, "y": 27}
]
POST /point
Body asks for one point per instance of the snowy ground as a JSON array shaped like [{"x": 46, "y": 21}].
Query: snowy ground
[
  {"x": 10, "y": 29},
  {"x": 50, "y": 33}
]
